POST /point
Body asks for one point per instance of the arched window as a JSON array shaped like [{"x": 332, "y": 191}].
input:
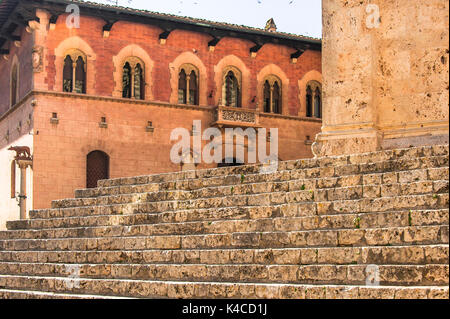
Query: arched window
[
  {"x": 14, "y": 84},
  {"x": 267, "y": 97},
  {"x": 68, "y": 74},
  {"x": 97, "y": 168},
  {"x": 133, "y": 79},
  {"x": 309, "y": 101},
  {"x": 138, "y": 82},
  {"x": 193, "y": 89},
  {"x": 232, "y": 90},
  {"x": 318, "y": 103},
  {"x": 80, "y": 76},
  {"x": 272, "y": 95},
  {"x": 182, "y": 87},
  {"x": 188, "y": 85},
  {"x": 126, "y": 81},
  {"x": 314, "y": 99},
  {"x": 74, "y": 72}
]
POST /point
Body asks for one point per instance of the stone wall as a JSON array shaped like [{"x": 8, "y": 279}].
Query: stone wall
[{"x": 386, "y": 68}]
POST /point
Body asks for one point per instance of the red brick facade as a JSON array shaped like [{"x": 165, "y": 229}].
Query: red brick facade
[{"x": 60, "y": 149}]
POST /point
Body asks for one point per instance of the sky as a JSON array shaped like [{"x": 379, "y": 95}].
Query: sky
[{"x": 303, "y": 17}]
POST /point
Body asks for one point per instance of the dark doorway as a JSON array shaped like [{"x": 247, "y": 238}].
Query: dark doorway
[
  {"x": 230, "y": 163},
  {"x": 97, "y": 168}
]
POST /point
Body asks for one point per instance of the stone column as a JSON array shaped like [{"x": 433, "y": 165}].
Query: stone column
[
  {"x": 385, "y": 68},
  {"x": 23, "y": 165}
]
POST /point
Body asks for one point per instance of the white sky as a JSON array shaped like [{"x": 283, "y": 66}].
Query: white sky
[{"x": 302, "y": 17}]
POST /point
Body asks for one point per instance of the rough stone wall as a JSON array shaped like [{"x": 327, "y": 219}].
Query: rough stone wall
[{"x": 386, "y": 68}]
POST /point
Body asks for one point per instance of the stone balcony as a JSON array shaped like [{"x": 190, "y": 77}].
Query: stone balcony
[{"x": 225, "y": 116}]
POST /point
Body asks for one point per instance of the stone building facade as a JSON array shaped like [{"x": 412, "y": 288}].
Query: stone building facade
[{"x": 102, "y": 100}]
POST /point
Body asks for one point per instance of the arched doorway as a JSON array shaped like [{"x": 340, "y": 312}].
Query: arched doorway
[
  {"x": 230, "y": 163},
  {"x": 97, "y": 168}
]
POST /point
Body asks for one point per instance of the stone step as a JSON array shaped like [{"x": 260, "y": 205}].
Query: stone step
[
  {"x": 294, "y": 239},
  {"x": 371, "y": 162},
  {"x": 383, "y": 255},
  {"x": 29, "y": 294},
  {"x": 257, "y": 183},
  {"x": 293, "y": 181},
  {"x": 421, "y": 201},
  {"x": 406, "y": 187},
  {"x": 388, "y": 275},
  {"x": 311, "y": 208},
  {"x": 191, "y": 290},
  {"x": 150, "y": 225}
]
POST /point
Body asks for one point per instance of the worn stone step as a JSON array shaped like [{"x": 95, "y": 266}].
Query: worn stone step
[
  {"x": 191, "y": 290},
  {"x": 303, "y": 188},
  {"x": 149, "y": 226},
  {"x": 394, "y": 159},
  {"x": 295, "y": 239},
  {"x": 294, "y": 182},
  {"x": 311, "y": 208},
  {"x": 390, "y": 275},
  {"x": 413, "y": 255},
  {"x": 413, "y": 201},
  {"x": 259, "y": 183},
  {"x": 29, "y": 294}
]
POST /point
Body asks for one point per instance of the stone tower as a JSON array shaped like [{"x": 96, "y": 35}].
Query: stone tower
[{"x": 386, "y": 69}]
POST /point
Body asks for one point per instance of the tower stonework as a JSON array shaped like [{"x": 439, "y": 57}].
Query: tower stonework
[{"x": 386, "y": 69}]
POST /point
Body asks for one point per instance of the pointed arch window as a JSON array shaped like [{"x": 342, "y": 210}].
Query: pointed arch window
[
  {"x": 188, "y": 83},
  {"x": 272, "y": 95},
  {"x": 318, "y": 103},
  {"x": 74, "y": 72},
  {"x": 133, "y": 79},
  {"x": 182, "y": 87},
  {"x": 309, "y": 102},
  {"x": 314, "y": 100},
  {"x": 14, "y": 84},
  {"x": 266, "y": 97},
  {"x": 232, "y": 88}
]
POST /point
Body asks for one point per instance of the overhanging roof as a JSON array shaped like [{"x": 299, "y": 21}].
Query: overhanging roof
[{"x": 16, "y": 12}]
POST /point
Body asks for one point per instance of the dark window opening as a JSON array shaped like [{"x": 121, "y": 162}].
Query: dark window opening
[
  {"x": 126, "y": 81},
  {"x": 182, "y": 87},
  {"x": 68, "y": 74},
  {"x": 309, "y": 101},
  {"x": 232, "y": 91},
  {"x": 267, "y": 97},
  {"x": 230, "y": 163}
]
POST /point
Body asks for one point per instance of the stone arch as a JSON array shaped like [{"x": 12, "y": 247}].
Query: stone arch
[
  {"x": 70, "y": 45},
  {"x": 223, "y": 65},
  {"x": 267, "y": 71},
  {"x": 312, "y": 75},
  {"x": 174, "y": 67},
  {"x": 119, "y": 60}
]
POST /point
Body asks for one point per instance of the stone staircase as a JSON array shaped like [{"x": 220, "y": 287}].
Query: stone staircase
[{"x": 316, "y": 228}]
